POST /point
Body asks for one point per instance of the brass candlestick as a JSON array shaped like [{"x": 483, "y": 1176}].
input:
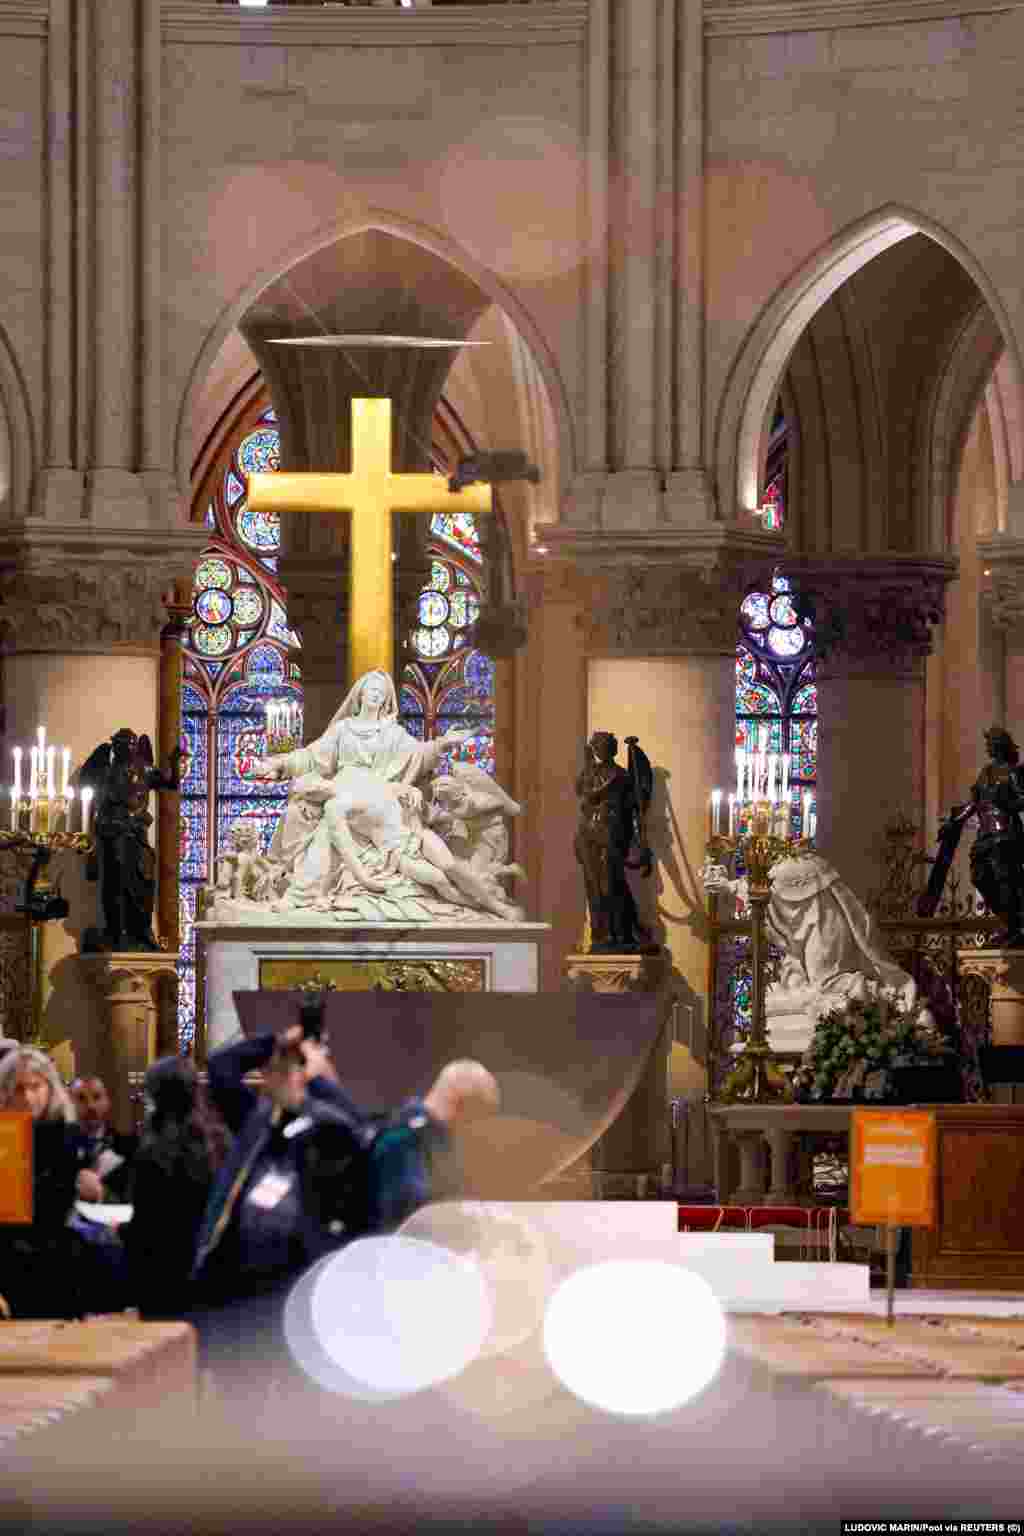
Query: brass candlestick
[
  {"x": 41, "y": 904},
  {"x": 755, "y": 1078}
]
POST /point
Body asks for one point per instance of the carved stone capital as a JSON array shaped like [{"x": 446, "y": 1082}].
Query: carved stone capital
[
  {"x": 128, "y": 976},
  {"x": 58, "y": 593},
  {"x": 1002, "y": 560},
  {"x": 873, "y": 614},
  {"x": 1003, "y": 970},
  {"x": 656, "y": 591},
  {"x": 659, "y": 611},
  {"x": 615, "y": 973}
]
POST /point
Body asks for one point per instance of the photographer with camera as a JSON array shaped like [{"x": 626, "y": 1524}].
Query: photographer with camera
[{"x": 308, "y": 1171}]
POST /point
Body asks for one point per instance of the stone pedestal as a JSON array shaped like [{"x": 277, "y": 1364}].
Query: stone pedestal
[
  {"x": 469, "y": 957},
  {"x": 1003, "y": 969},
  {"x": 628, "y": 1161},
  {"x": 128, "y": 984}
]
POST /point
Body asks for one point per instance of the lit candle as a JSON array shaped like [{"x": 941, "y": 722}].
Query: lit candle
[
  {"x": 785, "y": 775},
  {"x": 732, "y": 815},
  {"x": 814, "y": 818},
  {"x": 65, "y": 771},
  {"x": 41, "y": 734},
  {"x": 773, "y": 763},
  {"x": 50, "y": 785},
  {"x": 17, "y": 773},
  {"x": 69, "y": 796},
  {"x": 15, "y": 796},
  {"x": 716, "y": 812},
  {"x": 805, "y": 826},
  {"x": 740, "y": 755},
  {"x": 86, "y": 810},
  {"x": 33, "y": 782}
]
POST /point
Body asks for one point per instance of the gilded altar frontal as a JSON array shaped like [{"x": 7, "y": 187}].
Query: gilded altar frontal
[{"x": 366, "y": 975}]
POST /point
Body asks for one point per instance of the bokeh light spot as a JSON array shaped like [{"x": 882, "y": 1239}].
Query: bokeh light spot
[
  {"x": 398, "y": 1314},
  {"x": 634, "y": 1337}
]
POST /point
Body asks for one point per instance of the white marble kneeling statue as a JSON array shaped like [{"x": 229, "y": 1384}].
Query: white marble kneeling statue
[
  {"x": 830, "y": 949},
  {"x": 372, "y": 832}
]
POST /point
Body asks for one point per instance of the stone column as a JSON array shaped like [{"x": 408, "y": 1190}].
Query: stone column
[
  {"x": 751, "y": 1147},
  {"x": 1002, "y": 559},
  {"x": 551, "y": 725},
  {"x": 660, "y": 641},
  {"x": 80, "y": 642},
  {"x": 874, "y": 616},
  {"x": 643, "y": 448},
  {"x": 127, "y": 985}
]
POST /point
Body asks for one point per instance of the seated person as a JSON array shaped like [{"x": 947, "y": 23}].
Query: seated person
[
  {"x": 43, "y": 1271},
  {"x": 107, "y": 1154},
  {"x": 302, "y": 1179}
]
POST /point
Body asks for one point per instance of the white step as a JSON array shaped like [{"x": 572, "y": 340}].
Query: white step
[{"x": 740, "y": 1267}]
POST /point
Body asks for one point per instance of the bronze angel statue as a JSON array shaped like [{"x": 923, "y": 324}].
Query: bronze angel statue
[
  {"x": 121, "y": 774},
  {"x": 613, "y": 804}
]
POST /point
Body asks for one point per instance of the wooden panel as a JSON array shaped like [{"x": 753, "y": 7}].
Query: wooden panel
[
  {"x": 146, "y": 1361},
  {"x": 979, "y": 1240}
]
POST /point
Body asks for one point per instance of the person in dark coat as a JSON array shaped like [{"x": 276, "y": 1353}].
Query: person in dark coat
[
  {"x": 44, "y": 1269},
  {"x": 107, "y": 1153},
  {"x": 174, "y": 1168},
  {"x": 308, "y": 1171}
]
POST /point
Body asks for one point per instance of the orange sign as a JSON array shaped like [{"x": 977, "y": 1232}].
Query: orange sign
[
  {"x": 892, "y": 1167},
  {"x": 15, "y": 1167}
]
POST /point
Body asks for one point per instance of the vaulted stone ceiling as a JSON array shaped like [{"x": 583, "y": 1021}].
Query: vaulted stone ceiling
[
  {"x": 367, "y": 284},
  {"x": 862, "y": 389}
]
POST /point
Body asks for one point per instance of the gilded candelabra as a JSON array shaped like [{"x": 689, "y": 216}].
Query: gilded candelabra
[
  {"x": 759, "y": 837},
  {"x": 42, "y": 904}
]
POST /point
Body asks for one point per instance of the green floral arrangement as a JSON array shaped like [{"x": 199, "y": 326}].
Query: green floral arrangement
[{"x": 854, "y": 1049}]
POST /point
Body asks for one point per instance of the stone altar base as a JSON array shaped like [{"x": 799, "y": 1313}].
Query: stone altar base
[{"x": 479, "y": 957}]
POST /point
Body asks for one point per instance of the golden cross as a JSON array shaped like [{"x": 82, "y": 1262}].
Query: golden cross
[{"x": 370, "y": 494}]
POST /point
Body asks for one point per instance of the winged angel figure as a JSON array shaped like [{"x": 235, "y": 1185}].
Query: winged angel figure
[{"x": 121, "y": 774}]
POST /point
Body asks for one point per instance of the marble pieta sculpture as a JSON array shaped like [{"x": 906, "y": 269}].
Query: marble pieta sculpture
[{"x": 372, "y": 831}]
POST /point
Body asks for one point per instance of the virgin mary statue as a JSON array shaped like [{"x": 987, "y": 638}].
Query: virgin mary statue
[{"x": 363, "y": 774}]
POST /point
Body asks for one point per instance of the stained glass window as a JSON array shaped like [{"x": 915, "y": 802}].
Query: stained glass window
[
  {"x": 446, "y": 683},
  {"x": 776, "y": 695},
  {"x": 236, "y": 656},
  {"x": 772, "y": 507}
]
